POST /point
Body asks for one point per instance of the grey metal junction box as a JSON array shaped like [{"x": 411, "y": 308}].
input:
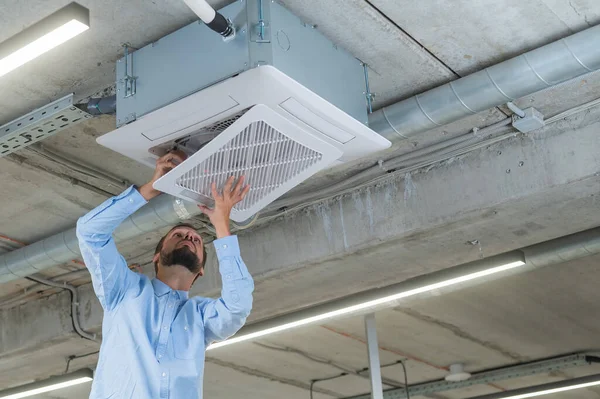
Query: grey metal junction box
[{"x": 194, "y": 58}]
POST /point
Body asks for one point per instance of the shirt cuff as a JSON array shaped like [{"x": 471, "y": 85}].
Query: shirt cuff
[
  {"x": 227, "y": 247},
  {"x": 134, "y": 197}
]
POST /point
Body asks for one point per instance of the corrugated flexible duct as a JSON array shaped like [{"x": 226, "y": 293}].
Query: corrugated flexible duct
[
  {"x": 526, "y": 74},
  {"x": 533, "y": 71},
  {"x": 60, "y": 248}
]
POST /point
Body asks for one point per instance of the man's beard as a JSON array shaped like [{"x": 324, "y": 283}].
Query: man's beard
[{"x": 183, "y": 257}]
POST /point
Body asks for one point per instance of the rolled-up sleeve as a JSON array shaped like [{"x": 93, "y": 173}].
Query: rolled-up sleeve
[
  {"x": 111, "y": 278},
  {"x": 223, "y": 317}
]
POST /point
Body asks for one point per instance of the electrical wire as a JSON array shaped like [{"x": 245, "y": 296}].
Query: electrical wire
[
  {"x": 313, "y": 382},
  {"x": 6, "y": 303},
  {"x": 73, "y": 357},
  {"x": 406, "y": 387},
  {"x": 79, "y": 166},
  {"x": 331, "y": 363},
  {"x": 76, "y": 182},
  {"x": 74, "y": 305}
]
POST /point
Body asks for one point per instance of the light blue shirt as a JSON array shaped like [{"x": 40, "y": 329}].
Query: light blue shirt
[{"x": 153, "y": 337}]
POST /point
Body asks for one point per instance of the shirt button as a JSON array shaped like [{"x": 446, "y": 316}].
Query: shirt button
[
  {"x": 164, "y": 374},
  {"x": 170, "y": 306},
  {"x": 229, "y": 277},
  {"x": 185, "y": 328},
  {"x": 224, "y": 246},
  {"x": 164, "y": 327},
  {"x": 131, "y": 200},
  {"x": 159, "y": 356}
]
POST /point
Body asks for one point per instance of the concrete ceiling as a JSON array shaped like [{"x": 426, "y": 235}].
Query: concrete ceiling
[{"x": 400, "y": 228}]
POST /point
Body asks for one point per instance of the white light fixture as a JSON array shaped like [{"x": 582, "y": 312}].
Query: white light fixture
[
  {"x": 443, "y": 282},
  {"x": 36, "y": 40},
  {"x": 51, "y": 384},
  {"x": 547, "y": 389},
  {"x": 457, "y": 373}
]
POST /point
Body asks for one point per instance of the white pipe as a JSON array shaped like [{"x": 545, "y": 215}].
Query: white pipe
[
  {"x": 202, "y": 9},
  {"x": 373, "y": 352}
]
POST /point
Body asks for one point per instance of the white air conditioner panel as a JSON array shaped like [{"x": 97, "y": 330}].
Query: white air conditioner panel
[
  {"x": 262, "y": 85},
  {"x": 273, "y": 154},
  {"x": 178, "y": 118},
  {"x": 221, "y": 113},
  {"x": 317, "y": 122}
]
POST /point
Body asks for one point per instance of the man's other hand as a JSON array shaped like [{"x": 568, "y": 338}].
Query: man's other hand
[
  {"x": 164, "y": 165},
  {"x": 224, "y": 203}
]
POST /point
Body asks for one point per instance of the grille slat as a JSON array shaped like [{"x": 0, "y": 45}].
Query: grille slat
[{"x": 265, "y": 156}]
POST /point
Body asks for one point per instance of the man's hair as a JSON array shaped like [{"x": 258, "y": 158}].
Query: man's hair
[{"x": 162, "y": 241}]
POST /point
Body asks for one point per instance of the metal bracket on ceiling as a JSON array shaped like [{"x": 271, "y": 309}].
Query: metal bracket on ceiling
[
  {"x": 368, "y": 94},
  {"x": 40, "y": 124},
  {"x": 129, "y": 79}
]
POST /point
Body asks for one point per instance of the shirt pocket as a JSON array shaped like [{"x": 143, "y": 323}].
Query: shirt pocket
[{"x": 188, "y": 337}]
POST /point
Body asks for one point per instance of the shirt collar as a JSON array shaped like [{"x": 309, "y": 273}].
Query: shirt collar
[{"x": 161, "y": 289}]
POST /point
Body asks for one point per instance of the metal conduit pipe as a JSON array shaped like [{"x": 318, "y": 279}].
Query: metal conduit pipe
[
  {"x": 564, "y": 249},
  {"x": 75, "y": 313},
  {"x": 60, "y": 248},
  {"x": 526, "y": 74}
]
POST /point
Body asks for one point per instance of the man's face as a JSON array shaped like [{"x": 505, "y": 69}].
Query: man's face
[{"x": 183, "y": 246}]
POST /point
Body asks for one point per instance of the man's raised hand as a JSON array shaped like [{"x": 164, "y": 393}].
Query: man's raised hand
[
  {"x": 224, "y": 203},
  {"x": 164, "y": 165}
]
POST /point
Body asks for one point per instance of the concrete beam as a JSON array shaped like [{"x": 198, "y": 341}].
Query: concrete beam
[{"x": 403, "y": 227}]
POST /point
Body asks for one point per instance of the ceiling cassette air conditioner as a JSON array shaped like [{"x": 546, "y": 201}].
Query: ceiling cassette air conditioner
[
  {"x": 261, "y": 124},
  {"x": 276, "y": 105}
]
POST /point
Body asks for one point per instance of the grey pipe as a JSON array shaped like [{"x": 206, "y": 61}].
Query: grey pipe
[
  {"x": 74, "y": 305},
  {"x": 526, "y": 74},
  {"x": 564, "y": 249},
  {"x": 101, "y": 106},
  {"x": 60, "y": 248}
]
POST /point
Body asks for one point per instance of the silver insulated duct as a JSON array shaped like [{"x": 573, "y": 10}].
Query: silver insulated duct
[
  {"x": 526, "y": 74},
  {"x": 60, "y": 248}
]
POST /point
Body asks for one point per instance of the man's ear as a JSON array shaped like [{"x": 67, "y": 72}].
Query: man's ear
[{"x": 156, "y": 257}]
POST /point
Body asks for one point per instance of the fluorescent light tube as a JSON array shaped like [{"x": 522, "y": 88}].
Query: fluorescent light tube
[
  {"x": 547, "y": 389},
  {"x": 554, "y": 390},
  {"x": 36, "y": 40},
  {"x": 51, "y": 384},
  {"x": 371, "y": 303}
]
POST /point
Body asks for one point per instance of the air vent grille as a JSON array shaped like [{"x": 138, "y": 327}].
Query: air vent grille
[
  {"x": 260, "y": 152},
  {"x": 220, "y": 126}
]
